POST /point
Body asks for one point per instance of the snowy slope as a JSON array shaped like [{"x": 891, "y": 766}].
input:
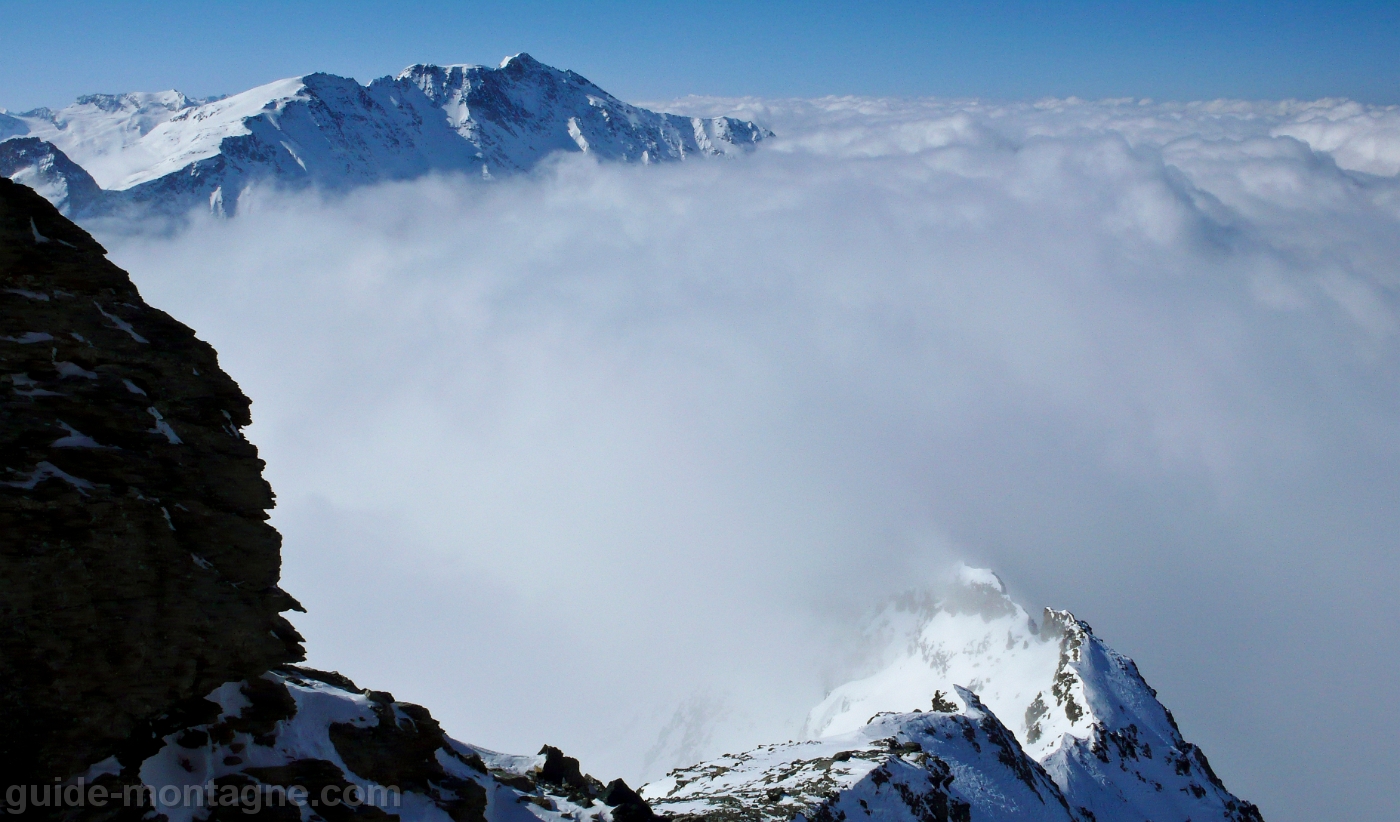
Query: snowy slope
[
  {"x": 954, "y": 763},
  {"x": 42, "y": 167},
  {"x": 104, "y": 133},
  {"x": 1077, "y": 707},
  {"x": 297, "y": 727},
  {"x": 173, "y": 152}
]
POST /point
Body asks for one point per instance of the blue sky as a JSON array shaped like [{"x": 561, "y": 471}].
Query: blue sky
[{"x": 643, "y": 50}]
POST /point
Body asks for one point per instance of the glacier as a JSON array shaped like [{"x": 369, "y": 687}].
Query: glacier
[{"x": 172, "y": 153}]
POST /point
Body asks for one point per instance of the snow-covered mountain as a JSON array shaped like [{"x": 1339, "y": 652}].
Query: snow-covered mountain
[
  {"x": 1075, "y": 706},
  {"x": 42, "y": 167},
  {"x": 954, "y": 762},
  {"x": 174, "y": 152}
]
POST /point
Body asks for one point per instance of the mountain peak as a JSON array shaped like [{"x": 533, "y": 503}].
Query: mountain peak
[
  {"x": 1076, "y": 706},
  {"x": 978, "y": 591},
  {"x": 521, "y": 61},
  {"x": 969, "y": 576}
]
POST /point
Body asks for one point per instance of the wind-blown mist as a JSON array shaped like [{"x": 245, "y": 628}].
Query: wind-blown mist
[{"x": 614, "y": 457}]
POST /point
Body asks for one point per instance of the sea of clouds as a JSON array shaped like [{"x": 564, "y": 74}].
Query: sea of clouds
[{"x": 614, "y": 457}]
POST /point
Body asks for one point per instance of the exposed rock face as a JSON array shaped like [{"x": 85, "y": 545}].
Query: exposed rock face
[{"x": 137, "y": 568}]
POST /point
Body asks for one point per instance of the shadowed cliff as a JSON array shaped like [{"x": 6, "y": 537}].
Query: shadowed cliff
[
  {"x": 137, "y": 568},
  {"x": 143, "y": 642}
]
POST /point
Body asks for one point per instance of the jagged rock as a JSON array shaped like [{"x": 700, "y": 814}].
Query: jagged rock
[
  {"x": 627, "y": 804},
  {"x": 137, "y": 567},
  {"x": 563, "y": 771}
]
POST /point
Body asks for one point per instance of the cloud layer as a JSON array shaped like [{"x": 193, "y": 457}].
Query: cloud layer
[{"x": 614, "y": 457}]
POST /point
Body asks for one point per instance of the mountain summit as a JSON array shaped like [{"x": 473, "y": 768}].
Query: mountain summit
[
  {"x": 979, "y": 713},
  {"x": 1076, "y": 707},
  {"x": 174, "y": 153}
]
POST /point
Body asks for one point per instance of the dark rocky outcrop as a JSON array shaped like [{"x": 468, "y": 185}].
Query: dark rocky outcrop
[
  {"x": 137, "y": 568},
  {"x": 353, "y": 754},
  {"x": 144, "y": 646},
  {"x": 280, "y": 733},
  {"x": 627, "y": 804}
]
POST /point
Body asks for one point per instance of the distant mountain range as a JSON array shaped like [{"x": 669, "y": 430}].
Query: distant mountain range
[{"x": 173, "y": 153}]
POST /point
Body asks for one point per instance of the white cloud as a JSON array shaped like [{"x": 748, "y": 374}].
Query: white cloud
[{"x": 609, "y": 457}]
